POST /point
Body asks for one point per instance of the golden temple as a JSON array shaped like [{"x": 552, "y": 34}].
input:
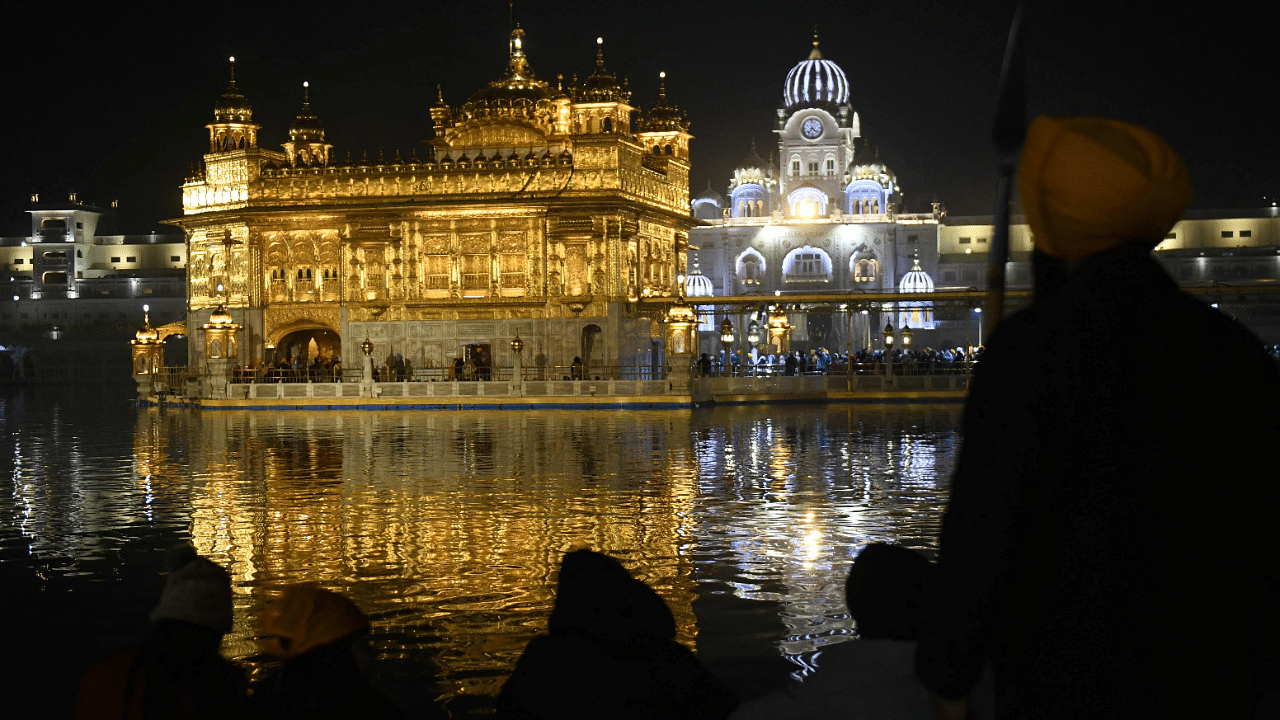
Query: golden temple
[{"x": 538, "y": 209}]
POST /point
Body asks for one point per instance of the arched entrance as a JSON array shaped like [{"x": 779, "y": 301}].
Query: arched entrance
[{"x": 309, "y": 345}]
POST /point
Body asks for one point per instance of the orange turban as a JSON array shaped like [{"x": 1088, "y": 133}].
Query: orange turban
[
  {"x": 305, "y": 618},
  {"x": 1090, "y": 184}
]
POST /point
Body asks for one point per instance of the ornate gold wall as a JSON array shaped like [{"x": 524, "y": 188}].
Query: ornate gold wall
[{"x": 531, "y": 203}]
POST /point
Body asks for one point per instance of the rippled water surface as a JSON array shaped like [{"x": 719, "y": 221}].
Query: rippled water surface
[{"x": 447, "y": 528}]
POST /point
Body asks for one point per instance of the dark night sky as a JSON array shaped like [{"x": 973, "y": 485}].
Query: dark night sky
[{"x": 112, "y": 103}]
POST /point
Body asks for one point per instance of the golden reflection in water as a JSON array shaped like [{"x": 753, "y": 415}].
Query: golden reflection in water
[{"x": 450, "y": 551}]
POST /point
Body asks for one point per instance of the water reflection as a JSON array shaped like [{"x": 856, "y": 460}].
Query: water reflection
[{"x": 446, "y": 528}]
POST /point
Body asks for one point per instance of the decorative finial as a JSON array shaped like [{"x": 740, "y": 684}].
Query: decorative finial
[
  {"x": 662, "y": 87},
  {"x": 439, "y": 94},
  {"x": 233, "y": 69},
  {"x": 559, "y": 82},
  {"x": 600, "y": 54},
  {"x": 815, "y": 53}
]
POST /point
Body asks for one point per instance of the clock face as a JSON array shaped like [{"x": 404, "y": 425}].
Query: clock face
[{"x": 812, "y": 128}]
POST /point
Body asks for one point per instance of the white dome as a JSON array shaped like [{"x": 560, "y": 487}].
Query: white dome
[
  {"x": 697, "y": 284},
  {"x": 816, "y": 81},
  {"x": 917, "y": 280}
]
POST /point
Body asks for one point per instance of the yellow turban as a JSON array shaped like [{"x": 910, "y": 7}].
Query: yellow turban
[
  {"x": 1090, "y": 184},
  {"x": 305, "y": 618}
]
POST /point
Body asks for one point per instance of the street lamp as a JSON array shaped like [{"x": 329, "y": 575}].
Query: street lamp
[
  {"x": 726, "y": 339},
  {"x": 888, "y": 350},
  {"x": 906, "y": 337},
  {"x": 517, "y": 346}
]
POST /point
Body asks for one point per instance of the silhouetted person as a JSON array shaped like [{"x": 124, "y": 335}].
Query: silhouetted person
[
  {"x": 610, "y": 653},
  {"x": 177, "y": 672},
  {"x": 704, "y": 365},
  {"x": 575, "y": 370},
  {"x": 874, "y": 676},
  {"x": 1109, "y": 546},
  {"x": 321, "y": 637}
]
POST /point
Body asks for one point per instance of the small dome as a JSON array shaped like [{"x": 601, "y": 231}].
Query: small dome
[
  {"x": 697, "y": 284},
  {"x": 664, "y": 117},
  {"x": 513, "y": 160},
  {"x": 146, "y": 334},
  {"x": 917, "y": 280},
  {"x": 602, "y": 86},
  {"x": 306, "y": 127},
  {"x": 815, "y": 81},
  {"x": 232, "y": 106},
  {"x": 220, "y": 317},
  {"x": 710, "y": 194},
  {"x": 681, "y": 312}
]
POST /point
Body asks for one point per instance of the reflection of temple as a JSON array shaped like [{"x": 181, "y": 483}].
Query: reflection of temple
[
  {"x": 455, "y": 564},
  {"x": 536, "y": 207}
]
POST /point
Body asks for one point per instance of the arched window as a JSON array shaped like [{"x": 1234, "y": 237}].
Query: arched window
[
  {"x": 657, "y": 150},
  {"x": 608, "y": 125},
  {"x": 751, "y": 267},
  {"x": 875, "y": 206},
  {"x": 865, "y": 270},
  {"x": 668, "y": 149},
  {"x": 806, "y": 264},
  {"x": 760, "y": 208}
]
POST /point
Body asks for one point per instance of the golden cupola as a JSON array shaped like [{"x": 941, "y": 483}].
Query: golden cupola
[
  {"x": 602, "y": 86},
  {"x": 146, "y": 334},
  {"x": 517, "y": 110},
  {"x": 664, "y": 117},
  {"x": 306, "y": 144},
  {"x": 233, "y": 127}
]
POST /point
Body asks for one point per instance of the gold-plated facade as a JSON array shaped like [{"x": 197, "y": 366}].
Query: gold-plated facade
[{"x": 534, "y": 209}]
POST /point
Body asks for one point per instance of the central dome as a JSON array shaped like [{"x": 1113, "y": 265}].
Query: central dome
[{"x": 815, "y": 81}]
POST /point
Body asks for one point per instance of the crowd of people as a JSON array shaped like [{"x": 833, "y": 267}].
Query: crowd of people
[{"x": 928, "y": 361}]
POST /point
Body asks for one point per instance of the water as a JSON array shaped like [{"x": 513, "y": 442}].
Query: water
[{"x": 447, "y": 528}]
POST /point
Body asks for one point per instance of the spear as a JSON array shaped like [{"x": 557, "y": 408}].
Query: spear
[{"x": 1008, "y": 132}]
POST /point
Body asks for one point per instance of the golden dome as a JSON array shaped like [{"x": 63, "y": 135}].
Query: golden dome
[
  {"x": 603, "y": 86},
  {"x": 517, "y": 96},
  {"x": 146, "y": 334},
  {"x": 679, "y": 311},
  {"x": 232, "y": 106},
  {"x": 664, "y": 117},
  {"x": 306, "y": 127},
  {"x": 220, "y": 317}
]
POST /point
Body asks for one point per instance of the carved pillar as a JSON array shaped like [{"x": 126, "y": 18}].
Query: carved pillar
[
  {"x": 221, "y": 350},
  {"x": 680, "y": 323}
]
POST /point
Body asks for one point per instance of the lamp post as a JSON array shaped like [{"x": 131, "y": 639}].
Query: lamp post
[
  {"x": 726, "y": 339},
  {"x": 906, "y": 345},
  {"x": 517, "y": 346},
  {"x": 888, "y": 352},
  {"x": 753, "y": 337}
]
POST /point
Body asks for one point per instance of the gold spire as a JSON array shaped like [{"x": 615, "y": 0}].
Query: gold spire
[
  {"x": 815, "y": 53},
  {"x": 519, "y": 63}
]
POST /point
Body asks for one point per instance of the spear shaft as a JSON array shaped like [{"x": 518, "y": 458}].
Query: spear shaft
[{"x": 1008, "y": 131}]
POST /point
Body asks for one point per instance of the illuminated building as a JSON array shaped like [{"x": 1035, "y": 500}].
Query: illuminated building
[
  {"x": 823, "y": 216},
  {"x": 543, "y": 208},
  {"x": 75, "y": 290},
  {"x": 817, "y": 217}
]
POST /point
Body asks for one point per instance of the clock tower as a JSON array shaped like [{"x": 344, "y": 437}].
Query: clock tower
[{"x": 816, "y": 130}]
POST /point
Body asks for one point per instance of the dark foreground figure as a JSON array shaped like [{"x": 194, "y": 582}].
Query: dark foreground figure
[
  {"x": 1110, "y": 546},
  {"x": 320, "y": 636},
  {"x": 177, "y": 671},
  {"x": 610, "y": 653},
  {"x": 873, "y": 677}
]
